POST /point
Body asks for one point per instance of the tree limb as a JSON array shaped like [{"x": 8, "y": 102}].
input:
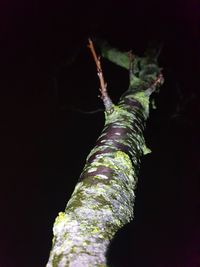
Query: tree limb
[{"x": 103, "y": 199}]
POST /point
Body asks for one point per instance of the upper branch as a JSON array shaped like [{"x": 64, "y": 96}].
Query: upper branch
[
  {"x": 103, "y": 85},
  {"x": 122, "y": 59}
]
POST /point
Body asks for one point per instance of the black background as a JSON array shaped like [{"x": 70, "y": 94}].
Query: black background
[{"x": 48, "y": 82}]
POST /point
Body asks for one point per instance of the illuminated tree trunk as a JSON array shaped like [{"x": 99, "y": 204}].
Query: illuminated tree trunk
[{"x": 103, "y": 199}]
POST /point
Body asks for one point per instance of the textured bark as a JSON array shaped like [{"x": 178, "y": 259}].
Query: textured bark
[{"x": 103, "y": 199}]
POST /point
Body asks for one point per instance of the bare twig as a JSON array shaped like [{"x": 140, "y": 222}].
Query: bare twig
[
  {"x": 103, "y": 85},
  {"x": 159, "y": 81}
]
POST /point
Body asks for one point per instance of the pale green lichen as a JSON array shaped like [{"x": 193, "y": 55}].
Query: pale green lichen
[
  {"x": 56, "y": 260},
  {"x": 143, "y": 98},
  {"x": 100, "y": 203},
  {"x": 61, "y": 216},
  {"x": 123, "y": 159},
  {"x": 117, "y": 113},
  {"x": 146, "y": 150}
]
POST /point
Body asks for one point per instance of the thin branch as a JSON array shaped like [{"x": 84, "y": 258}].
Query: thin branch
[
  {"x": 159, "y": 81},
  {"x": 131, "y": 58},
  {"x": 103, "y": 85}
]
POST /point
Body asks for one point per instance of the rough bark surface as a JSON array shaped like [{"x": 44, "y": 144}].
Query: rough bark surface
[{"x": 103, "y": 199}]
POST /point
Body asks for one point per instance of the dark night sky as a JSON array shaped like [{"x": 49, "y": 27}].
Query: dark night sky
[{"x": 48, "y": 76}]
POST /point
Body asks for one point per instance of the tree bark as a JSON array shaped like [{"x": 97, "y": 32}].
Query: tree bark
[{"x": 103, "y": 199}]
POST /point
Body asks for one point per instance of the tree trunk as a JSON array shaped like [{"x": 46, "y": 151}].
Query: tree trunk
[{"x": 103, "y": 199}]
